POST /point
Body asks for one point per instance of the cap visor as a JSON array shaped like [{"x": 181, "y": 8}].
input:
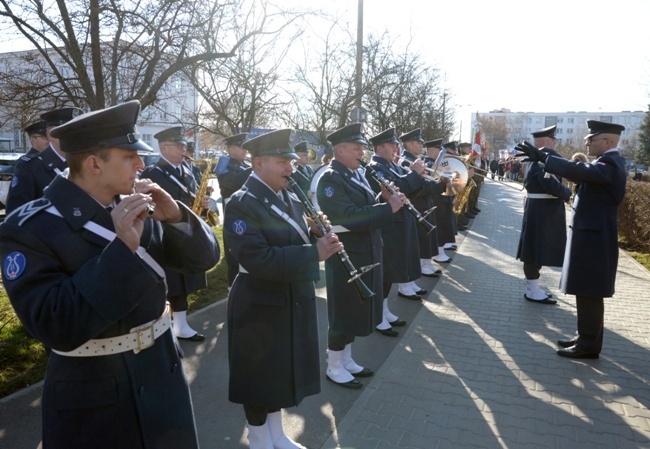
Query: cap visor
[{"x": 135, "y": 146}]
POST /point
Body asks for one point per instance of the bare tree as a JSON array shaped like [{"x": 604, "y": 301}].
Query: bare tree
[
  {"x": 96, "y": 53},
  {"x": 494, "y": 132}
]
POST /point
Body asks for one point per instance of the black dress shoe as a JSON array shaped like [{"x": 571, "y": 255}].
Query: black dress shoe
[
  {"x": 195, "y": 337},
  {"x": 430, "y": 275},
  {"x": 397, "y": 323},
  {"x": 390, "y": 332},
  {"x": 566, "y": 343},
  {"x": 442, "y": 261},
  {"x": 470, "y": 215},
  {"x": 574, "y": 353},
  {"x": 541, "y": 301},
  {"x": 462, "y": 228},
  {"x": 438, "y": 271},
  {"x": 452, "y": 248},
  {"x": 422, "y": 291},
  {"x": 366, "y": 372},
  {"x": 354, "y": 384},
  {"x": 412, "y": 297}
]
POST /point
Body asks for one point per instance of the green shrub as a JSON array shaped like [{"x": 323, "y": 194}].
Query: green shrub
[{"x": 633, "y": 223}]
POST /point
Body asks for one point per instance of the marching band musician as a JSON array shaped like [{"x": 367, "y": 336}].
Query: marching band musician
[
  {"x": 81, "y": 267},
  {"x": 591, "y": 256},
  {"x": 543, "y": 228},
  {"x": 171, "y": 173},
  {"x": 443, "y": 212},
  {"x": 423, "y": 201},
  {"x": 231, "y": 178},
  {"x": 401, "y": 259},
  {"x": 473, "y": 159},
  {"x": 272, "y": 326},
  {"x": 302, "y": 172},
  {"x": 346, "y": 198},
  {"x": 33, "y": 174}
]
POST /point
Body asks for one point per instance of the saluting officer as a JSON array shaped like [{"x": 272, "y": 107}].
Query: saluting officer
[
  {"x": 231, "y": 176},
  {"x": 444, "y": 214},
  {"x": 171, "y": 173},
  {"x": 272, "y": 325},
  {"x": 401, "y": 257},
  {"x": 302, "y": 172},
  {"x": 423, "y": 201},
  {"x": 543, "y": 228},
  {"x": 86, "y": 281},
  {"x": 35, "y": 173},
  {"x": 349, "y": 202},
  {"x": 591, "y": 256}
]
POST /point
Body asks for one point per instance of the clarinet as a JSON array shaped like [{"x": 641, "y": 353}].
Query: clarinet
[
  {"x": 384, "y": 182},
  {"x": 364, "y": 292}
]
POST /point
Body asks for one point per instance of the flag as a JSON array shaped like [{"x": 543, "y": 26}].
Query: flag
[{"x": 476, "y": 146}]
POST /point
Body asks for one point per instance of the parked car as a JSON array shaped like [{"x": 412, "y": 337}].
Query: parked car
[{"x": 7, "y": 162}]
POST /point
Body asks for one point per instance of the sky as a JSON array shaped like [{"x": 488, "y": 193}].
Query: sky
[{"x": 522, "y": 55}]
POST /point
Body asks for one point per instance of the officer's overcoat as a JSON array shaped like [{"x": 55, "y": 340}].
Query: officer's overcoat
[
  {"x": 68, "y": 285},
  {"x": 347, "y": 203},
  {"x": 591, "y": 256},
  {"x": 401, "y": 248},
  {"x": 181, "y": 189},
  {"x": 272, "y": 328},
  {"x": 543, "y": 228}
]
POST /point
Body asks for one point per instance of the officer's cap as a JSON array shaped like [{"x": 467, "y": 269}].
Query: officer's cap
[
  {"x": 236, "y": 140},
  {"x": 60, "y": 116},
  {"x": 464, "y": 145},
  {"x": 105, "y": 128},
  {"x": 349, "y": 133},
  {"x": 435, "y": 143},
  {"x": 301, "y": 147},
  {"x": 328, "y": 150},
  {"x": 190, "y": 147},
  {"x": 549, "y": 131},
  {"x": 596, "y": 127},
  {"x": 416, "y": 135},
  {"x": 274, "y": 143},
  {"x": 173, "y": 134},
  {"x": 387, "y": 136},
  {"x": 453, "y": 145},
  {"x": 39, "y": 127}
]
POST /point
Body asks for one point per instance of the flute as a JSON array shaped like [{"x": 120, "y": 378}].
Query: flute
[
  {"x": 384, "y": 182},
  {"x": 364, "y": 292}
]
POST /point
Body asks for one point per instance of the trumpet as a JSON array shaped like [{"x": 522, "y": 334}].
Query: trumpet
[
  {"x": 384, "y": 182},
  {"x": 362, "y": 289},
  {"x": 435, "y": 175}
]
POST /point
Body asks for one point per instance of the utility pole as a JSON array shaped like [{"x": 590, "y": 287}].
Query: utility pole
[{"x": 358, "y": 113}]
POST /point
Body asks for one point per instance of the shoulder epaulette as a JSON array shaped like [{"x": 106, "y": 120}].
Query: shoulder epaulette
[{"x": 28, "y": 210}]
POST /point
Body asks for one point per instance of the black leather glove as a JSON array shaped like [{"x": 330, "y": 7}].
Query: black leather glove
[{"x": 531, "y": 153}]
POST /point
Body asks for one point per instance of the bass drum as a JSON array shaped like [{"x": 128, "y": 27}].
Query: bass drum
[
  {"x": 451, "y": 165},
  {"x": 314, "y": 184}
]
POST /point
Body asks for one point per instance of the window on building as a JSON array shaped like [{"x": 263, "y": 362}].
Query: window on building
[
  {"x": 569, "y": 130},
  {"x": 146, "y": 138},
  {"x": 570, "y": 120},
  {"x": 560, "y": 120}
]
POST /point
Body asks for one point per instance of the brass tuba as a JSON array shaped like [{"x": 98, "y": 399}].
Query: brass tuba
[{"x": 211, "y": 216}]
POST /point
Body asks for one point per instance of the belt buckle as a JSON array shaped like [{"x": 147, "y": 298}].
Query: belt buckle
[{"x": 146, "y": 330}]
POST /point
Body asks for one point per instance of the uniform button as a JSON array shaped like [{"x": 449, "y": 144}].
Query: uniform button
[
  {"x": 174, "y": 367},
  {"x": 141, "y": 392}
]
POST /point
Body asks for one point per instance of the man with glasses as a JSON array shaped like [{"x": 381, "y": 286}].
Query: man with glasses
[
  {"x": 591, "y": 256},
  {"x": 543, "y": 229},
  {"x": 173, "y": 175}
]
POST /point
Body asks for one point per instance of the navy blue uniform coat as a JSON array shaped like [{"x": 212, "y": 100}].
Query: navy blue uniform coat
[
  {"x": 348, "y": 204},
  {"x": 75, "y": 287},
  {"x": 591, "y": 256},
  {"x": 272, "y": 324},
  {"x": 163, "y": 173},
  {"x": 543, "y": 228},
  {"x": 423, "y": 200},
  {"x": 401, "y": 248},
  {"x": 233, "y": 178},
  {"x": 32, "y": 174}
]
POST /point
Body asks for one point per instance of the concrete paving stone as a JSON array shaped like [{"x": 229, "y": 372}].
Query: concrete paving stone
[
  {"x": 391, "y": 436},
  {"x": 413, "y": 427},
  {"x": 347, "y": 441},
  {"x": 376, "y": 418}
]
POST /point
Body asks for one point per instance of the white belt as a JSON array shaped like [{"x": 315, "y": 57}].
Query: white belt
[
  {"x": 338, "y": 229},
  {"x": 541, "y": 196},
  {"x": 138, "y": 338}
]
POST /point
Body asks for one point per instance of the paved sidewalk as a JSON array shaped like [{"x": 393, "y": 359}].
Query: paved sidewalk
[
  {"x": 478, "y": 369},
  {"x": 475, "y": 368}
]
